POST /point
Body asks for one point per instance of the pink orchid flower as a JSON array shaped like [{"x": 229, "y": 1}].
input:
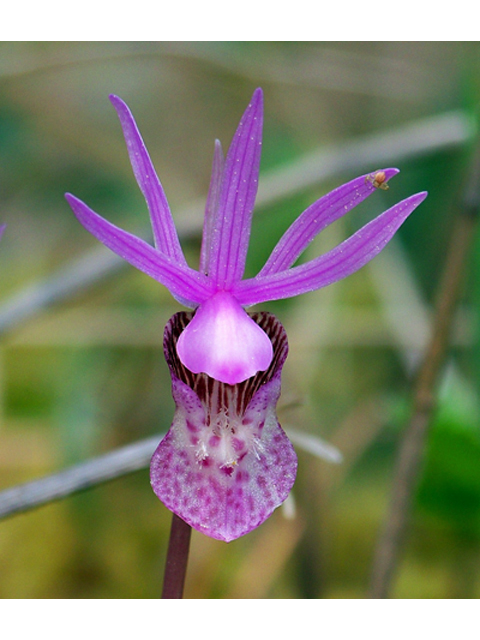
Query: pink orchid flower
[{"x": 226, "y": 464}]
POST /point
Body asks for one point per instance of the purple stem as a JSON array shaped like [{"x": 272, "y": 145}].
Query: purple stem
[{"x": 177, "y": 559}]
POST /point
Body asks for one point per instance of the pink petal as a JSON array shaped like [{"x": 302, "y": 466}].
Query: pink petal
[
  {"x": 185, "y": 284},
  {"x": 317, "y": 216},
  {"x": 211, "y": 206},
  {"x": 340, "y": 262},
  {"x": 164, "y": 232},
  {"x": 224, "y": 342},
  {"x": 232, "y": 222}
]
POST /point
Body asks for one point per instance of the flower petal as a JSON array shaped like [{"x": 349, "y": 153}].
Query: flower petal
[
  {"x": 225, "y": 464},
  {"x": 164, "y": 232},
  {"x": 231, "y": 228},
  {"x": 186, "y": 284},
  {"x": 224, "y": 342},
  {"x": 319, "y": 215},
  {"x": 211, "y": 206},
  {"x": 338, "y": 263}
]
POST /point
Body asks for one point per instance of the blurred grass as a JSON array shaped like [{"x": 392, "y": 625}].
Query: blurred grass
[{"x": 88, "y": 374}]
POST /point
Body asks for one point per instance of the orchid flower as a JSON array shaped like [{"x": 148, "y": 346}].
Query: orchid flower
[{"x": 226, "y": 464}]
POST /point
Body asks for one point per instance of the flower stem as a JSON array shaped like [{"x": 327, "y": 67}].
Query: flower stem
[
  {"x": 177, "y": 559},
  {"x": 410, "y": 458}
]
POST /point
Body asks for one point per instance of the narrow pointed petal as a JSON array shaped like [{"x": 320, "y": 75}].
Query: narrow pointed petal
[
  {"x": 226, "y": 464},
  {"x": 211, "y": 206},
  {"x": 224, "y": 342},
  {"x": 319, "y": 215},
  {"x": 237, "y": 197},
  {"x": 2, "y": 229},
  {"x": 340, "y": 262},
  {"x": 164, "y": 232},
  {"x": 187, "y": 285}
]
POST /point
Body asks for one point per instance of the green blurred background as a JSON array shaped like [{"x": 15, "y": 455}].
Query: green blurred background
[{"x": 88, "y": 374}]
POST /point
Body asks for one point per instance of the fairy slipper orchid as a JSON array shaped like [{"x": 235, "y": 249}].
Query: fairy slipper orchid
[{"x": 226, "y": 463}]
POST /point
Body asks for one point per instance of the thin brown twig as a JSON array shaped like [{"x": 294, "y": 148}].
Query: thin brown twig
[
  {"x": 410, "y": 457},
  {"x": 111, "y": 465}
]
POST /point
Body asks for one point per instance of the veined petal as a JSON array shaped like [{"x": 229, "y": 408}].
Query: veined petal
[
  {"x": 224, "y": 342},
  {"x": 231, "y": 228},
  {"x": 226, "y": 464},
  {"x": 211, "y": 206},
  {"x": 164, "y": 232},
  {"x": 319, "y": 215},
  {"x": 336, "y": 264},
  {"x": 186, "y": 284}
]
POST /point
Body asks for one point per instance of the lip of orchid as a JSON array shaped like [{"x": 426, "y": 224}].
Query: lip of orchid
[{"x": 226, "y": 464}]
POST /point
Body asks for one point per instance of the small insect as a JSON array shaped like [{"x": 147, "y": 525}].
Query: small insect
[{"x": 378, "y": 180}]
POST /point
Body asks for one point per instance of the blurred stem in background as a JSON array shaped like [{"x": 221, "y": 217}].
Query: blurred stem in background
[{"x": 410, "y": 457}]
